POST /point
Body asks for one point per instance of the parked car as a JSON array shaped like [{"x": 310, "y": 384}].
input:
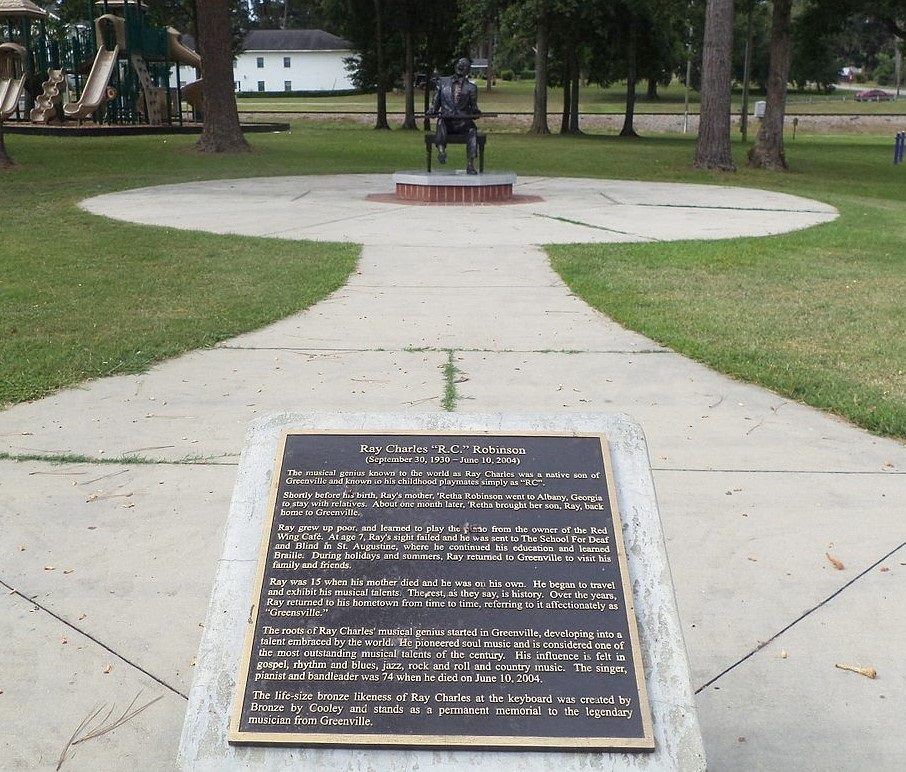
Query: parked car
[{"x": 873, "y": 95}]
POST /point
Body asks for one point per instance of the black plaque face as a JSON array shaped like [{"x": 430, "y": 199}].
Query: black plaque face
[{"x": 443, "y": 590}]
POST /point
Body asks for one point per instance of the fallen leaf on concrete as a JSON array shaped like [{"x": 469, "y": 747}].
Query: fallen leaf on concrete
[
  {"x": 21, "y": 548},
  {"x": 868, "y": 672},
  {"x": 68, "y": 570},
  {"x": 49, "y": 568},
  {"x": 783, "y": 654},
  {"x": 82, "y": 616},
  {"x": 754, "y": 560},
  {"x": 63, "y": 640},
  {"x": 884, "y": 570},
  {"x": 838, "y": 564},
  {"x": 108, "y": 669}
]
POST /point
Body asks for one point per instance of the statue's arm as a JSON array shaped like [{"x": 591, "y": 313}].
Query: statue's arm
[
  {"x": 435, "y": 103},
  {"x": 473, "y": 101}
]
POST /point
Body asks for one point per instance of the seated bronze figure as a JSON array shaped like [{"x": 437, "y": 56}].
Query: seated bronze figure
[{"x": 456, "y": 106}]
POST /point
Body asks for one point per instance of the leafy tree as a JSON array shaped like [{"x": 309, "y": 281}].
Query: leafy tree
[
  {"x": 286, "y": 14},
  {"x": 378, "y": 61},
  {"x": 712, "y": 150}
]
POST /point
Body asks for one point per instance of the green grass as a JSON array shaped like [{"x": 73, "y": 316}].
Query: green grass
[
  {"x": 82, "y": 296},
  {"x": 516, "y": 96},
  {"x": 817, "y": 315}
]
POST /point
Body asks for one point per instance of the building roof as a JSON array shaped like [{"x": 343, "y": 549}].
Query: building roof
[
  {"x": 20, "y": 8},
  {"x": 293, "y": 40}
]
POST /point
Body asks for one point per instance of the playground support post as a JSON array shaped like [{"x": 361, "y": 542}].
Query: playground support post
[{"x": 898, "y": 147}]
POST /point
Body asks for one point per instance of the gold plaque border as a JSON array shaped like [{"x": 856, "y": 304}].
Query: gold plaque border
[{"x": 514, "y": 742}]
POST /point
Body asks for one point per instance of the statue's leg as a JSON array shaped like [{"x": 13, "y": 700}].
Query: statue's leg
[
  {"x": 471, "y": 148},
  {"x": 440, "y": 139}
]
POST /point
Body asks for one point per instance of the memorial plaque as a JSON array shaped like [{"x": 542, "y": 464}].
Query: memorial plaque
[{"x": 446, "y": 590}]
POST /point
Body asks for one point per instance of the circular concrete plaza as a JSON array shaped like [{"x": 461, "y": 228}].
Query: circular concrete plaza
[{"x": 570, "y": 210}]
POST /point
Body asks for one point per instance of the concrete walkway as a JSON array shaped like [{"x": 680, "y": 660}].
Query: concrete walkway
[{"x": 112, "y": 562}]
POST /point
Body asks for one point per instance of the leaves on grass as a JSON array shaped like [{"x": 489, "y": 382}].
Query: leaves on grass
[
  {"x": 868, "y": 672},
  {"x": 837, "y": 564}
]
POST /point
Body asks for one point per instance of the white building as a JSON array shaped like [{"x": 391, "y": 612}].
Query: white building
[{"x": 292, "y": 60}]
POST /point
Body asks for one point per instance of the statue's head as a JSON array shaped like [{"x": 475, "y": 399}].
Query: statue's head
[{"x": 462, "y": 67}]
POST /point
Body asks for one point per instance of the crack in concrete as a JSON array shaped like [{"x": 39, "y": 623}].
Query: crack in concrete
[
  {"x": 800, "y": 618},
  {"x": 90, "y": 637}
]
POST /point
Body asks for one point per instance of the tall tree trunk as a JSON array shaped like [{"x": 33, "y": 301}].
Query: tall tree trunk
[
  {"x": 651, "y": 95},
  {"x": 539, "y": 118},
  {"x": 567, "y": 100},
  {"x": 574, "y": 92},
  {"x": 712, "y": 151},
  {"x": 767, "y": 152},
  {"x": 381, "y": 122},
  {"x": 409, "y": 82},
  {"x": 492, "y": 36},
  {"x": 221, "y": 132},
  {"x": 628, "y": 129},
  {"x": 285, "y": 19},
  {"x": 5, "y": 160}
]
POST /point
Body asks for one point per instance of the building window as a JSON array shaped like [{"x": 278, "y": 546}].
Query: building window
[
  {"x": 287, "y": 85},
  {"x": 286, "y": 61},
  {"x": 238, "y": 85},
  {"x": 261, "y": 85},
  {"x": 260, "y": 62}
]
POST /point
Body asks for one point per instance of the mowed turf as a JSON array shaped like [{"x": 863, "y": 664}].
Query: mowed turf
[
  {"x": 817, "y": 315},
  {"x": 517, "y": 97}
]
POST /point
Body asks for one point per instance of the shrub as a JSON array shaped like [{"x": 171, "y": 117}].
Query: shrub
[
  {"x": 527, "y": 75},
  {"x": 506, "y": 75}
]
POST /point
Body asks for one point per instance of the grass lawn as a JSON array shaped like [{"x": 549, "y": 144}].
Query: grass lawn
[
  {"x": 817, "y": 315},
  {"x": 516, "y": 96}
]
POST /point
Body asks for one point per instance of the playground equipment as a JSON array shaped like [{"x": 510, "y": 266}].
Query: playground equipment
[
  {"x": 21, "y": 21},
  {"x": 12, "y": 77},
  {"x": 97, "y": 90},
  {"x": 49, "y": 103},
  {"x": 130, "y": 75},
  {"x": 899, "y": 145},
  {"x": 114, "y": 69}
]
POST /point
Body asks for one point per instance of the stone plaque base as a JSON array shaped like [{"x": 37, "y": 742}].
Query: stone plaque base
[{"x": 677, "y": 739}]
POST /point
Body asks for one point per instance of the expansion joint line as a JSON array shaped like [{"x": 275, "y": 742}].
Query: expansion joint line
[
  {"x": 595, "y": 227},
  {"x": 90, "y": 637},
  {"x": 802, "y": 616}
]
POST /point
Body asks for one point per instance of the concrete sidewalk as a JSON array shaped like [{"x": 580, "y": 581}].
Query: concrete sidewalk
[{"x": 112, "y": 562}]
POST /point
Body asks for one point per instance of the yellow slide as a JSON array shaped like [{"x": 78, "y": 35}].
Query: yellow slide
[
  {"x": 12, "y": 77},
  {"x": 94, "y": 93}
]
